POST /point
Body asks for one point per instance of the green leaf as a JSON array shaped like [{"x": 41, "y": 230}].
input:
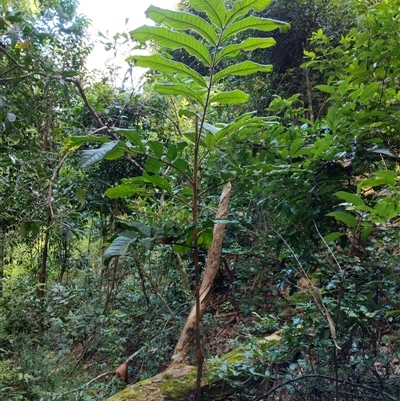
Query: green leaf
[
  {"x": 158, "y": 63},
  {"x": 92, "y": 156},
  {"x": 243, "y": 7},
  {"x": 176, "y": 90},
  {"x": 157, "y": 148},
  {"x": 75, "y": 142},
  {"x": 117, "y": 152},
  {"x": 148, "y": 243},
  {"x": 345, "y": 218},
  {"x": 332, "y": 237},
  {"x": 350, "y": 198},
  {"x": 248, "y": 45},
  {"x": 172, "y": 153},
  {"x": 173, "y": 40},
  {"x": 388, "y": 179},
  {"x": 132, "y": 136},
  {"x": 153, "y": 165},
  {"x": 125, "y": 189},
  {"x": 211, "y": 128},
  {"x": 119, "y": 246},
  {"x": 144, "y": 230},
  {"x": 215, "y": 10},
  {"x": 260, "y": 24},
  {"x": 295, "y": 146},
  {"x": 232, "y": 97},
  {"x": 242, "y": 69},
  {"x": 182, "y": 20},
  {"x": 326, "y": 88},
  {"x": 205, "y": 238},
  {"x": 158, "y": 182},
  {"x": 389, "y": 175}
]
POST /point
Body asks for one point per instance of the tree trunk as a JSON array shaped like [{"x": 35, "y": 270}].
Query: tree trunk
[
  {"x": 2, "y": 241},
  {"x": 45, "y": 256},
  {"x": 182, "y": 347}
]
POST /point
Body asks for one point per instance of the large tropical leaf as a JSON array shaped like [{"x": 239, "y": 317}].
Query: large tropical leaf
[
  {"x": 92, "y": 156},
  {"x": 177, "y": 89},
  {"x": 159, "y": 63},
  {"x": 248, "y": 45},
  {"x": 232, "y": 97},
  {"x": 245, "y": 68},
  {"x": 120, "y": 246},
  {"x": 260, "y": 24},
  {"x": 243, "y": 7},
  {"x": 173, "y": 40},
  {"x": 215, "y": 10},
  {"x": 181, "y": 20}
]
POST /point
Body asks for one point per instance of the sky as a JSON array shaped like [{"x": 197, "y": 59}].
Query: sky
[{"x": 108, "y": 17}]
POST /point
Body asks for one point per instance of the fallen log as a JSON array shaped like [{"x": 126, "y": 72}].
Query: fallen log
[{"x": 178, "y": 382}]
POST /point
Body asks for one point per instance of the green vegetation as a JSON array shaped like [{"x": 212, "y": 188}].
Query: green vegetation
[{"x": 230, "y": 229}]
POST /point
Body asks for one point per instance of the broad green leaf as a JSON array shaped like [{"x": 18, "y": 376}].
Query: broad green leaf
[
  {"x": 375, "y": 182},
  {"x": 148, "y": 243},
  {"x": 120, "y": 246},
  {"x": 248, "y": 45},
  {"x": 158, "y": 63},
  {"x": 187, "y": 113},
  {"x": 92, "y": 156},
  {"x": 117, "y": 152},
  {"x": 260, "y": 24},
  {"x": 123, "y": 190},
  {"x": 295, "y": 146},
  {"x": 157, "y": 148},
  {"x": 75, "y": 142},
  {"x": 132, "y": 136},
  {"x": 215, "y": 10},
  {"x": 173, "y": 40},
  {"x": 389, "y": 175},
  {"x": 243, "y": 7},
  {"x": 172, "y": 153},
  {"x": 144, "y": 230},
  {"x": 350, "y": 198},
  {"x": 332, "y": 237},
  {"x": 365, "y": 232},
  {"x": 180, "y": 165},
  {"x": 182, "y": 20},
  {"x": 232, "y": 97},
  {"x": 205, "y": 238},
  {"x": 211, "y": 128},
  {"x": 345, "y": 218},
  {"x": 157, "y": 181},
  {"x": 242, "y": 69},
  {"x": 326, "y": 88},
  {"x": 176, "y": 90},
  {"x": 153, "y": 165}
]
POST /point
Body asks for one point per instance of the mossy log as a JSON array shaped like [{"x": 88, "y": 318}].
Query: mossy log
[{"x": 178, "y": 382}]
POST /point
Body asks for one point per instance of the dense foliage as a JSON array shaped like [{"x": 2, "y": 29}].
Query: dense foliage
[{"x": 108, "y": 201}]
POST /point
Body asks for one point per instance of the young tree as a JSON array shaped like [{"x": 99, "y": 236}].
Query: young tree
[{"x": 216, "y": 39}]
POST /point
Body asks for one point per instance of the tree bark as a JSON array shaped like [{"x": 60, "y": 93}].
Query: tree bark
[
  {"x": 184, "y": 343},
  {"x": 2, "y": 242}
]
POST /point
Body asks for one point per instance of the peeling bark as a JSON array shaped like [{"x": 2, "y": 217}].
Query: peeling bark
[{"x": 214, "y": 253}]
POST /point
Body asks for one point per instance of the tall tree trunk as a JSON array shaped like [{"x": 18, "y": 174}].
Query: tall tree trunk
[
  {"x": 183, "y": 345},
  {"x": 45, "y": 256},
  {"x": 2, "y": 241}
]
